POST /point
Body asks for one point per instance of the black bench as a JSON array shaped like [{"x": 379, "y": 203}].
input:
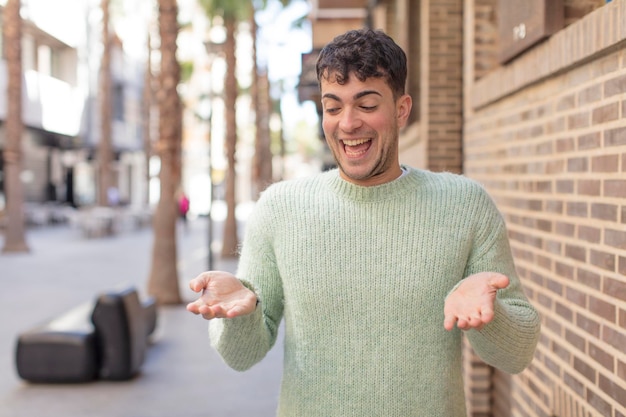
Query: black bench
[{"x": 105, "y": 339}]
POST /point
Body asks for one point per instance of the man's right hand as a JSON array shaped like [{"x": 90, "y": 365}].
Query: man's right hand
[{"x": 222, "y": 295}]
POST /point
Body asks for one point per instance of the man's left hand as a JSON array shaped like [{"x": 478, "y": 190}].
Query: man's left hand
[{"x": 471, "y": 305}]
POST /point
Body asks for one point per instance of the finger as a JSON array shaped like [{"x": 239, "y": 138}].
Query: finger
[
  {"x": 449, "y": 322},
  {"x": 462, "y": 323},
  {"x": 477, "y": 326},
  {"x": 235, "y": 312},
  {"x": 478, "y": 320},
  {"x": 487, "y": 315},
  {"x": 213, "y": 311},
  {"x": 198, "y": 303},
  {"x": 192, "y": 308},
  {"x": 474, "y": 324},
  {"x": 206, "y": 312},
  {"x": 196, "y": 284}
]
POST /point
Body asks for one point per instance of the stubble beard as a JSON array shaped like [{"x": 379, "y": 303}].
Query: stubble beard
[{"x": 382, "y": 164}]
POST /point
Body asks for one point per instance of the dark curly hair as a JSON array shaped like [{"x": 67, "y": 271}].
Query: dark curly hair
[{"x": 366, "y": 53}]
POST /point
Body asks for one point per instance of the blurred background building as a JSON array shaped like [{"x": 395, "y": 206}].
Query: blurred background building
[{"x": 61, "y": 66}]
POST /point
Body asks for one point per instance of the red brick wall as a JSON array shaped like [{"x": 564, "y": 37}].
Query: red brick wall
[
  {"x": 546, "y": 135},
  {"x": 577, "y": 9},
  {"x": 445, "y": 85},
  {"x": 485, "y": 47},
  {"x": 431, "y": 32}
]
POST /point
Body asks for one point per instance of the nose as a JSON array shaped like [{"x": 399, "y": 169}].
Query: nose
[{"x": 349, "y": 120}]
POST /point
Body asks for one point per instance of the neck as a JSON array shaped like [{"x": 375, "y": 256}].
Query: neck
[{"x": 394, "y": 172}]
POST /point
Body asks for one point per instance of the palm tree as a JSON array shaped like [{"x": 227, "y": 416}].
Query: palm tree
[
  {"x": 12, "y": 31},
  {"x": 148, "y": 95},
  {"x": 232, "y": 11},
  {"x": 262, "y": 174},
  {"x": 163, "y": 280},
  {"x": 262, "y": 163},
  {"x": 105, "y": 147}
]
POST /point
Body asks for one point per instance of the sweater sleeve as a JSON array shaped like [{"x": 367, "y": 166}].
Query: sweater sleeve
[
  {"x": 509, "y": 341},
  {"x": 244, "y": 341}
]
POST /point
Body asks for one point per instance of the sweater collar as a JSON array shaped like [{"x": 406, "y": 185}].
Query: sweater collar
[{"x": 403, "y": 184}]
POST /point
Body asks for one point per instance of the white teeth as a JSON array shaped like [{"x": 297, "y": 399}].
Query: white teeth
[{"x": 355, "y": 142}]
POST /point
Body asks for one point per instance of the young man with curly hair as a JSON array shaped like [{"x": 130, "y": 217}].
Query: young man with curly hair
[{"x": 376, "y": 268}]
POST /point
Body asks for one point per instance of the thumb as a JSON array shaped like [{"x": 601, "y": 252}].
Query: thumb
[
  {"x": 499, "y": 281},
  {"x": 200, "y": 282}
]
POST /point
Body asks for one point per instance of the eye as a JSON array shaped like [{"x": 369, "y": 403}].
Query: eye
[
  {"x": 369, "y": 108},
  {"x": 332, "y": 110}
]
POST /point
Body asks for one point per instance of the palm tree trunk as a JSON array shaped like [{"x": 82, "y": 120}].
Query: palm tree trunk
[
  {"x": 263, "y": 146},
  {"x": 163, "y": 280},
  {"x": 254, "y": 92},
  {"x": 262, "y": 163},
  {"x": 105, "y": 148},
  {"x": 12, "y": 23},
  {"x": 147, "y": 120},
  {"x": 230, "y": 240}
]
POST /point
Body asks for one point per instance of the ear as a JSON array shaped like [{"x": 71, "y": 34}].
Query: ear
[{"x": 403, "y": 109}]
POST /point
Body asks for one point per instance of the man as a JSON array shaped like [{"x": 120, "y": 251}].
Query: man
[{"x": 377, "y": 268}]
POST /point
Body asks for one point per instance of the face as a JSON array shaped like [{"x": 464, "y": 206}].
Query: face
[{"x": 361, "y": 122}]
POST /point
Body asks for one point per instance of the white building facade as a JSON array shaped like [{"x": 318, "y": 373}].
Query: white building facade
[{"x": 61, "y": 109}]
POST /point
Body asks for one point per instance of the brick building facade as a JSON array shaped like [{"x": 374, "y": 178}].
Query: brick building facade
[{"x": 545, "y": 132}]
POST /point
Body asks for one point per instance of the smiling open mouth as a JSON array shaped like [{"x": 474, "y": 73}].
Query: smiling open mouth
[{"x": 356, "y": 147}]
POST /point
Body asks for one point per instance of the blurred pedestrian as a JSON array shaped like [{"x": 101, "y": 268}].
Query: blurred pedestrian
[
  {"x": 113, "y": 196},
  {"x": 183, "y": 207}
]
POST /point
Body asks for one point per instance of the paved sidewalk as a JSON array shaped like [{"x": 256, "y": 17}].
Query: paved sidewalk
[{"x": 182, "y": 375}]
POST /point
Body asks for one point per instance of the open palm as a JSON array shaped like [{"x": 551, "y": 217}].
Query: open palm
[
  {"x": 471, "y": 305},
  {"x": 222, "y": 296}
]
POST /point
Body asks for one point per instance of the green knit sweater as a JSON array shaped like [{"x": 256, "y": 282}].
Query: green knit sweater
[{"x": 360, "y": 275}]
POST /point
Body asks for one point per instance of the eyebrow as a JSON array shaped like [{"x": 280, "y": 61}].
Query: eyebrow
[{"x": 356, "y": 96}]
